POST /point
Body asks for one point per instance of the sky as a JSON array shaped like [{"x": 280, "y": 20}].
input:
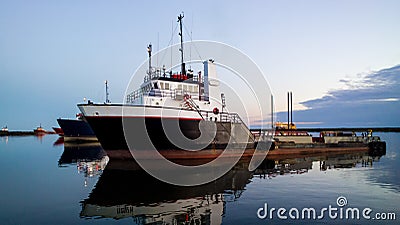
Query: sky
[
  {"x": 55, "y": 53},
  {"x": 372, "y": 100}
]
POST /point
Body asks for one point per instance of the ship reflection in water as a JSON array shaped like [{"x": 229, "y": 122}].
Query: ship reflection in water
[
  {"x": 125, "y": 190},
  {"x": 89, "y": 158}
]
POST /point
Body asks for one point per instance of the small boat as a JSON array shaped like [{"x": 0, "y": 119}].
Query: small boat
[
  {"x": 4, "y": 129},
  {"x": 39, "y": 130}
]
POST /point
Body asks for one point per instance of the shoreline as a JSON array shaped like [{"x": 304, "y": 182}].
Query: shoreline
[{"x": 23, "y": 133}]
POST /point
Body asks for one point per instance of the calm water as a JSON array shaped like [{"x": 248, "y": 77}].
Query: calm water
[{"x": 46, "y": 183}]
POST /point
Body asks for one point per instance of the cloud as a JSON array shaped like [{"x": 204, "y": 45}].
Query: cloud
[
  {"x": 370, "y": 99},
  {"x": 382, "y": 86}
]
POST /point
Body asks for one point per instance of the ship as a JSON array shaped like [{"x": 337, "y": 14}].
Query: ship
[
  {"x": 188, "y": 101},
  {"x": 76, "y": 130}
]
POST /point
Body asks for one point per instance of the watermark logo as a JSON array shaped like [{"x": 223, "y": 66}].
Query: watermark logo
[
  {"x": 341, "y": 201},
  {"x": 338, "y": 211},
  {"x": 161, "y": 113}
]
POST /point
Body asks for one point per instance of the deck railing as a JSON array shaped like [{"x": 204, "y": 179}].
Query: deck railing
[
  {"x": 174, "y": 94},
  {"x": 157, "y": 73}
]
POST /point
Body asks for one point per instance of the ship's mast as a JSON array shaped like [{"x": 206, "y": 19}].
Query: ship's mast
[
  {"x": 180, "y": 17},
  {"x": 107, "y": 94},
  {"x": 149, "y": 49}
]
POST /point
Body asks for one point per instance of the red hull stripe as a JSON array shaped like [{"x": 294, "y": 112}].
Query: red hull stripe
[{"x": 144, "y": 117}]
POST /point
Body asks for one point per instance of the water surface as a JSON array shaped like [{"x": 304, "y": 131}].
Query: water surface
[{"x": 43, "y": 182}]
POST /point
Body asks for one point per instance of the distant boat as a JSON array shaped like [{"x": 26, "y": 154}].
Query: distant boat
[
  {"x": 4, "y": 129},
  {"x": 58, "y": 131},
  {"x": 76, "y": 129},
  {"x": 39, "y": 131}
]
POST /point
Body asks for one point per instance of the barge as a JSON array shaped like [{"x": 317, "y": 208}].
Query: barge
[
  {"x": 329, "y": 139},
  {"x": 290, "y": 140},
  {"x": 300, "y": 142}
]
